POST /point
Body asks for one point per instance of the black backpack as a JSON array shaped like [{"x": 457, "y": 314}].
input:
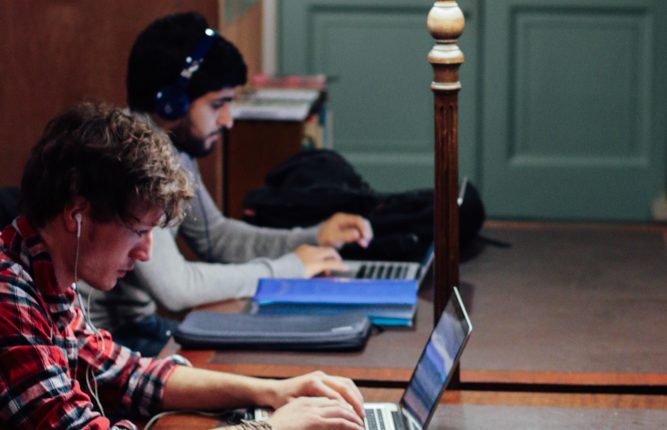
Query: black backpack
[{"x": 313, "y": 185}]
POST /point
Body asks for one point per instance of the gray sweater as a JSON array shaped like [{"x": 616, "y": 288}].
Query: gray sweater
[{"x": 240, "y": 255}]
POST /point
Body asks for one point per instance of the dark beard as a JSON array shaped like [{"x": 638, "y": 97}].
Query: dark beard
[{"x": 184, "y": 140}]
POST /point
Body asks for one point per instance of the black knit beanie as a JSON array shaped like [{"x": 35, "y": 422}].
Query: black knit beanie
[{"x": 159, "y": 53}]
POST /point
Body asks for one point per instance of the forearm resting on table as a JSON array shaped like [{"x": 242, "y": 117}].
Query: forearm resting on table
[{"x": 201, "y": 389}]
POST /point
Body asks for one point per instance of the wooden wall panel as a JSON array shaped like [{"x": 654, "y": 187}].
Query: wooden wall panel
[
  {"x": 57, "y": 52},
  {"x": 245, "y": 32}
]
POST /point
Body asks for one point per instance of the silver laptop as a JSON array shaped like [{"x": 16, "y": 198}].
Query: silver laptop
[
  {"x": 431, "y": 375},
  {"x": 433, "y": 372},
  {"x": 371, "y": 269}
]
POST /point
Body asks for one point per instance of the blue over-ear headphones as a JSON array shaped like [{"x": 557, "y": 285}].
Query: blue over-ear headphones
[{"x": 171, "y": 101}]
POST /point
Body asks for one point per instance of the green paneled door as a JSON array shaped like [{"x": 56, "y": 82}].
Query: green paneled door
[
  {"x": 374, "y": 53},
  {"x": 574, "y": 108},
  {"x": 562, "y": 111}
]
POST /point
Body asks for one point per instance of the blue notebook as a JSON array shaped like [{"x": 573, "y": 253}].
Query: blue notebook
[{"x": 385, "y": 302}]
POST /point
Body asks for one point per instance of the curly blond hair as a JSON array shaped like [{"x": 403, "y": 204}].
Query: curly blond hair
[{"x": 117, "y": 162}]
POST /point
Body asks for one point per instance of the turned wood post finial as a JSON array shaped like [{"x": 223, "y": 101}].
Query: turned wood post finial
[{"x": 445, "y": 22}]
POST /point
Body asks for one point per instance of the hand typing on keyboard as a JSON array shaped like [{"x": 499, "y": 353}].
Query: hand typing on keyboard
[
  {"x": 316, "y": 401},
  {"x": 315, "y": 413},
  {"x": 319, "y": 259}
]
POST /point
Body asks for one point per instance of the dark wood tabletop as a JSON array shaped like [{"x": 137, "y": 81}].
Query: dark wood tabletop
[
  {"x": 387, "y": 359},
  {"x": 509, "y": 410}
]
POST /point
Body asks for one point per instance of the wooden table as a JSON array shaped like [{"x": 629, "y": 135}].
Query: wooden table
[
  {"x": 509, "y": 410},
  {"x": 384, "y": 367},
  {"x": 386, "y": 361}
]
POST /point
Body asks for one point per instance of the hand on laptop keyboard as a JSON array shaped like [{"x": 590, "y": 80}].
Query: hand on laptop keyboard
[
  {"x": 319, "y": 259},
  {"x": 315, "y": 413}
]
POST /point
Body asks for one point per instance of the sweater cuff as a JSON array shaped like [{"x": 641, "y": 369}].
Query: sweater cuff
[
  {"x": 305, "y": 235},
  {"x": 288, "y": 266}
]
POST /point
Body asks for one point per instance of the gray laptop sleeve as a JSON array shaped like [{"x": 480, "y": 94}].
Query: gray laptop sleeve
[{"x": 204, "y": 329}]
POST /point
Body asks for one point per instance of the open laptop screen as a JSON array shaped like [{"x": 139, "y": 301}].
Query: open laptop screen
[{"x": 437, "y": 363}]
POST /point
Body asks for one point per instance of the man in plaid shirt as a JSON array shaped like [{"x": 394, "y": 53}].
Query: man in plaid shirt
[{"x": 96, "y": 184}]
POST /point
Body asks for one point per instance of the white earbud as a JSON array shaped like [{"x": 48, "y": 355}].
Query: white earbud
[
  {"x": 77, "y": 217},
  {"x": 92, "y": 388}
]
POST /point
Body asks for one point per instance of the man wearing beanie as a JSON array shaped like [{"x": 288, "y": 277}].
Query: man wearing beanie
[{"x": 182, "y": 76}]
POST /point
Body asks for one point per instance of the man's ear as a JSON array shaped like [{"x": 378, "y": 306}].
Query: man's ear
[
  {"x": 74, "y": 214},
  {"x": 164, "y": 124}
]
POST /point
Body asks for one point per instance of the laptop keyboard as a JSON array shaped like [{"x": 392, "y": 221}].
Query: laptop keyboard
[
  {"x": 375, "y": 421},
  {"x": 399, "y": 424},
  {"x": 382, "y": 271}
]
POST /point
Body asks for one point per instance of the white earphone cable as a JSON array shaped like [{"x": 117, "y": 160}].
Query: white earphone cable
[{"x": 92, "y": 388}]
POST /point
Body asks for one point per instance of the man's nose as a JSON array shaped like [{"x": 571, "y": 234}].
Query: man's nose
[
  {"x": 225, "y": 118},
  {"x": 143, "y": 250}
]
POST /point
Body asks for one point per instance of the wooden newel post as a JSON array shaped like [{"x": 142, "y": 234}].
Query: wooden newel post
[{"x": 445, "y": 23}]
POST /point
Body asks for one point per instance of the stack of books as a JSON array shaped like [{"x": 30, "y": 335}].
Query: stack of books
[
  {"x": 314, "y": 82},
  {"x": 286, "y": 98},
  {"x": 385, "y": 302}
]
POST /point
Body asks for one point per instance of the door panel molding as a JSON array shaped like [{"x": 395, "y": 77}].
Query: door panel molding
[
  {"x": 374, "y": 53},
  {"x": 568, "y": 110}
]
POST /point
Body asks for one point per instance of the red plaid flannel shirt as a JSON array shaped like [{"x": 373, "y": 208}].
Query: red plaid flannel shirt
[{"x": 46, "y": 349}]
